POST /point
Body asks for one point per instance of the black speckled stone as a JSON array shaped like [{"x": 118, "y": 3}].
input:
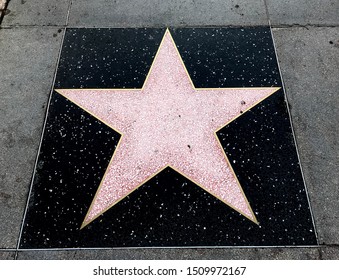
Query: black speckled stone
[{"x": 168, "y": 210}]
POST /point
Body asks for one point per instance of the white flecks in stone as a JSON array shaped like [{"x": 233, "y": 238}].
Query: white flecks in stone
[{"x": 168, "y": 123}]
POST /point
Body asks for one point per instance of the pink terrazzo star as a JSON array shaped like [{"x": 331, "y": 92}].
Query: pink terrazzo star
[{"x": 167, "y": 123}]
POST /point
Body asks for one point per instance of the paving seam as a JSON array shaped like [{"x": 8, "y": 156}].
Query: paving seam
[
  {"x": 43, "y": 131},
  {"x": 273, "y": 26},
  {"x": 294, "y": 137},
  {"x": 170, "y": 248}
]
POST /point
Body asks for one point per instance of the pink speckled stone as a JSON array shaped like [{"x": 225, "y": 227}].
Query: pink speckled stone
[{"x": 168, "y": 123}]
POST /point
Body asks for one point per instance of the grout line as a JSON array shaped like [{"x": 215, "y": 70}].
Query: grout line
[
  {"x": 295, "y": 25},
  {"x": 7, "y": 250},
  {"x": 41, "y": 138},
  {"x": 70, "y": 3},
  {"x": 267, "y": 12},
  {"x": 295, "y": 141},
  {"x": 320, "y": 254},
  {"x": 43, "y": 129}
]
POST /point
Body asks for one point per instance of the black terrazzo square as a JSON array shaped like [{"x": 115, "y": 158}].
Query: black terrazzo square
[{"x": 76, "y": 150}]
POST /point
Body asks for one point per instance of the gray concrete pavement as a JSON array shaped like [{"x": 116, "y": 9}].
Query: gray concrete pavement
[
  {"x": 173, "y": 254},
  {"x": 303, "y": 12},
  {"x": 329, "y": 252},
  {"x": 154, "y": 13},
  {"x": 310, "y": 68},
  {"x": 308, "y": 51},
  {"x": 27, "y": 70},
  {"x": 7, "y": 255},
  {"x": 36, "y": 13}
]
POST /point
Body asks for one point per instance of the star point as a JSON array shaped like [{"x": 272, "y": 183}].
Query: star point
[{"x": 168, "y": 123}]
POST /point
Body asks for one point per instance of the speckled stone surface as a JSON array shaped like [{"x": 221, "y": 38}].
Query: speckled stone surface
[
  {"x": 175, "y": 254},
  {"x": 309, "y": 64},
  {"x": 7, "y": 255},
  {"x": 23, "y": 100},
  {"x": 168, "y": 123},
  {"x": 329, "y": 252},
  {"x": 77, "y": 148},
  {"x": 36, "y": 12},
  {"x": 303, "y": 12},
  {"x": 156, "y": 13}
]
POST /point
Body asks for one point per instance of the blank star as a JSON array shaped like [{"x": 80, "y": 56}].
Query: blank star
[{"x": 168, "y": 122}]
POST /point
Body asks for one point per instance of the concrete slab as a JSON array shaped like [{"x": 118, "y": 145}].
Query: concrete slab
[
  {"x": 36, "y": 12},
  {"x": 303, "y": 12},
  {"x": 26, "y": 79},
  {"x": 155, "y": 13},
  {"x": 330, "y": 252},
  {"x": 309, "y": 60},
  {"x": 7, "y": 255},
  {"x": 176, "y": 254}
]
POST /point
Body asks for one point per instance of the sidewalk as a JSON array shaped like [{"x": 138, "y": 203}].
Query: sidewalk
[{"x": 306, "y": 35}]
